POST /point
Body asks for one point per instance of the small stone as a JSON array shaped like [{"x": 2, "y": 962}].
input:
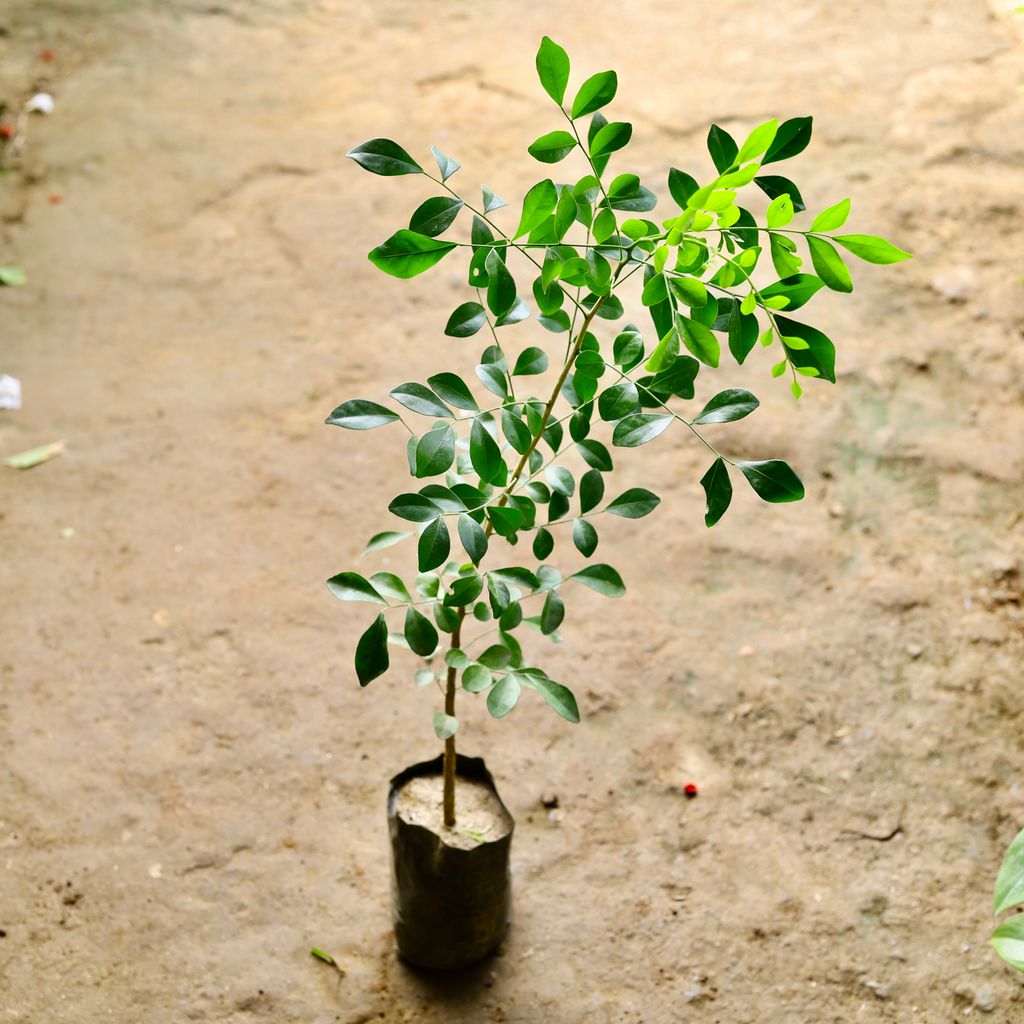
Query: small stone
[
  {"x": 549, "y": 800},
  {"x": 985, "y": 998},
  {"x": 914, "y": 651},
  {"x": 881, "y": 991},
  {"x": 957, "y": 284}
]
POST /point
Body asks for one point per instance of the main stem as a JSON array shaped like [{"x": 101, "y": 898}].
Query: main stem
[{"x": 449, "y": 693}]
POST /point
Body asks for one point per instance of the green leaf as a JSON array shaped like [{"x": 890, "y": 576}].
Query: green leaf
[
  {"x": 758, "y": 141},
  {"x": 420, "y": 633},
  {"x": 484, "y": 453},
  {"x": 871, "y": 249},
  {"x": 491, "y": 201},
  {"x": 504, "y": 696},
  {"x": 361, "y": 414},
  {"x": 618, "y": 400},
  {"x": 820, "y": 353},
  {"x": 372, "y": 651},
  {"x": 773, "y": 185},
  {"x": 790, "y": 140},
  {"x": 773, "y": 480},
  {"x": 557, "y": 696},
  {"x": 829, "y": 265},
  {"x": 635, "y": 503},
  {"x": 591, "y": 493},
  {"x": 595, "y": 455},
  {"x": 531, "y": 361},
  {"x": 552, "y": 614},
  {"x": 639, "y": 428},
  {"x": 588, "y": 364},
  {"x": 699, "y": 340},
  {"x": 457, "y": 659},
  {"x": 602, "y": 578},
  {"x": 421, "y": 399},
  {"x": 681, "y": 186},
  {"x": 12, "y": 277},
  {"x": 742, "y": 333},
  {"x": 665, "y": 354},
  {"x": 1009, "y": 890},
  {"x": 465, "y": 590},
  {"x": 445, "y": 164},
  {"x": 434, "y": 545},
  {"x": 453, "y": 389},
  {"x": 517, "y": 432},
  {"x": 780, "y": 211},
  {"x": 543, "y": 544},
  {"x": 382, "y": 156},
  {"x": 501, "y": 286},
  {"x": 718, "y": 490},
  {"x": 610, "y": 138},
  {"x": 561, "y": 480},
  {"x": 584, "y": 536},
  {"x": 350, "y": 586},
  {"x": 385, "y": 540},
  {"x": 493, "y": 378},
  {"x": 689, "y": 290},
  {"x": 723, "y": 149},
  {"x": 466, "y": 320},
  {"x": 445, "y": 726},
  {"x": 552, "y": 147},
  {"x": 833, "y": 217},
  {"x": 519, "y": 312},
  {"x": 798, "y": 289},
  {"x": 596, "y": 92},
  {"x": 390, "y": 585},
  {"x": 538, "y": 205},
  {"x": 553, "y": 69},
  {"x": 727, "y": 406},
  {"x": 434, "y": 216},
  {"x": 406, "y": 254},
  {"x": 476, "y": 678},
  {"x": 414, "y": 507},
  {"x": 1008, "y": 941},
  {"x": 435, "y": 451}
]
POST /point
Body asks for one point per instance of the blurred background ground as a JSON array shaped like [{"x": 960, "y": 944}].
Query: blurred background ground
[{"x": 192, "y": 784}]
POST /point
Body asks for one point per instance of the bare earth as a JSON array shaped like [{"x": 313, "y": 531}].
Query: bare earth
[{"x": 192, "y": 784}]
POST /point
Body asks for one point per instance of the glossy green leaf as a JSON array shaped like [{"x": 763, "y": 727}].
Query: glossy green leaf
[
  {"x": 723, "y": 149},
  {"x": 372, "y": 658},
  {"x": 799, "y": 289},
  {"x": 635, "y": 503},
  {"x": 516, "y": 431},
  {"x": 493, "y": 378},
  {"x": 727, "y": 406},
  {"x": 552, "y": 147},
  {"x": 552, "y": 614},
  {"x": 618, "y": 400},
  {"x": 538, "y": 205},
  {"x": 553, "y": 69},
  {"x": 681, "y": 186},
  {"x": 350, "y": 586},
  {"x": 773, "y": 480},
  {"x": 820, "y": 353},
  {"x": 445, "y": 164},
  {"x": 434, "y": 216},
  {"x": 602, "y": 578},
  {"x": 382, "y": 156},
  {"x": 420, "y": 633},
  {"x": 492, "y": 201},
  {"x": 531, "y": 361},
  {"x": 543, "y": 544},
  {"x": 560, "y": 480},
  {"x": 595, "y": 455},
  {"x": 435, "y": 452},
  {"x": 558, "y": 697},
  {"x": 584, "y": 536},
  {"x": 1008, "y": 941},
  {"x": 780, "y": 211},
  {"x": 610, "y": 138},
  {"x": 742, "y": 329},
  {"x": 476, "y": 678},
  {"x": 871, "y": 249},
  {"x": 414, "y": 507},
  {"x": 419, "y": 398},
  {"x": 484, "y": 453},
  {"x": 790, "y": 140},
  {"x": 501, "y": 286},
  {"x": 503, "y": 696},
  {"x": 699, "y": 340},
  {"x": 385, "y": 539},
  {"x": 773, "y": 185},
  {"x": 596, "y": 92},
  {"x": 445, "y": 726},
  {"x": 464, "y": 591},
  {"x": 591, "y": 493},
  {"x": 434, "y": 545},
  {"x": 829, "y": 265},
  {"x": 473, "y": 537},
  {"x": 406, "y": 254},
  {"x": 833, "y": 217},
  {"x": 758, "y": 141},
  {"x": 639, "y": 428},
  {"x": 718, "y": 491},
  {"x": 453, "y": 390},
  {"x": 361, "y": 414},
  {"x": 466, "y": 320},
  {"x": 391, "y": 586},
  {"x": 1009, "y": 891}
]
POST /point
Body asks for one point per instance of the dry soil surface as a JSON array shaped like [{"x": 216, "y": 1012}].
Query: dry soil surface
[{"x": 192, "y": 784}]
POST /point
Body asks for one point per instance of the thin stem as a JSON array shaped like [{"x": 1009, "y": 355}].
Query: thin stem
[{"x": 449, "y": 744}]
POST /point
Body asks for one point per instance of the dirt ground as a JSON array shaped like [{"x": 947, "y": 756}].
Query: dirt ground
[{"x": 192, "y": 784}]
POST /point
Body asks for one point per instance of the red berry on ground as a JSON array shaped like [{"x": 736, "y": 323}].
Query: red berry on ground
[
  {"x": 47, "y": 55},
  {"x": 55, "y": 199},
  {"x": 690, "y": 790},
  {"x": 6, "y": 131}
]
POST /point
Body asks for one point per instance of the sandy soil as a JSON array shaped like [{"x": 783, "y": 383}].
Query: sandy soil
[
  {"x": 481, "y": 817},
  {"x": 192, "y": 784}
]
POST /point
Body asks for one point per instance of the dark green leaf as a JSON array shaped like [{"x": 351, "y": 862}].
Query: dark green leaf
[
  {"x": 372, "y": 652},
  {"x": 591, "y": 493},
  {"x": 677, "y": 380},
  {"x": 473, "y": 537},
  {"x": 722, "y": 147},
  {"x": 504, "y": 696},
  {"x": 557, "y": 696},
  {"x": 466, "y": 320},
  {"x": 435, "y": 216},
  {"x": 617, "y": 401},
  {"x": 420, "y": 633},
  {"x": 350, "y": 586},
  {"x": 635, "y": 503},
  {"x": 773, "y": 480},
  {"x": 639, "y": 428},
  {"x": 553, "y": 69},
  {"x": 493, "y": 378},
  {"x": 595, "y": 455},
  {"x": 406, "y": 254},
  {"x": 434, "y": 545},
  {"x": 506, "y": 520},
  {"x": 552, "y": 614},
  {"x": 718, "y": 490},
  {"x": 517, "y": 432},
  {"x": 382, "y": 156},
  {"x": 699, "y": 340},
  {"x": 561, "y": 480},
  {"x": 798, "y": 289},
  {"x": 501, "y": 287},
  {"x": 465, "y": 590},
  {"x": 773, "y": 185},
  {"x": 361, "y": 414},
  {"x": 681, "y": 186},
  {"x": 742, "y": 332},
  {"x": 497, "y": 656},
  {"x": 531, "y": 361},
  {"x": 584, "y": 536},
  {"x": 551, "y": 148},
  {"x": 414, "y": 507},
  {"x": 421, "y": 399},
  {"x": 453, "y": 389},
  {"x": 484, "y": 453},
  {"x": 727, "y": 406},
  {"x": 519, "y": 311},
  {"x": 602, "y": 578},
  {"x": 543, "y": 544},
  {"x": 385, "y": 540},
  {"x": 820, "y": 353},
  {"x": 829, "y": 265},
  {"x": 596, "y": 92},
  {"x": 435, "y": 452},
  {"x": 791, "y": 139},
  {"x": 389, "y": 585}
]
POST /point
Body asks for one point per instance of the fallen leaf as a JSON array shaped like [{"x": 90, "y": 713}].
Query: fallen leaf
[{"x": 34, "y": 456}]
